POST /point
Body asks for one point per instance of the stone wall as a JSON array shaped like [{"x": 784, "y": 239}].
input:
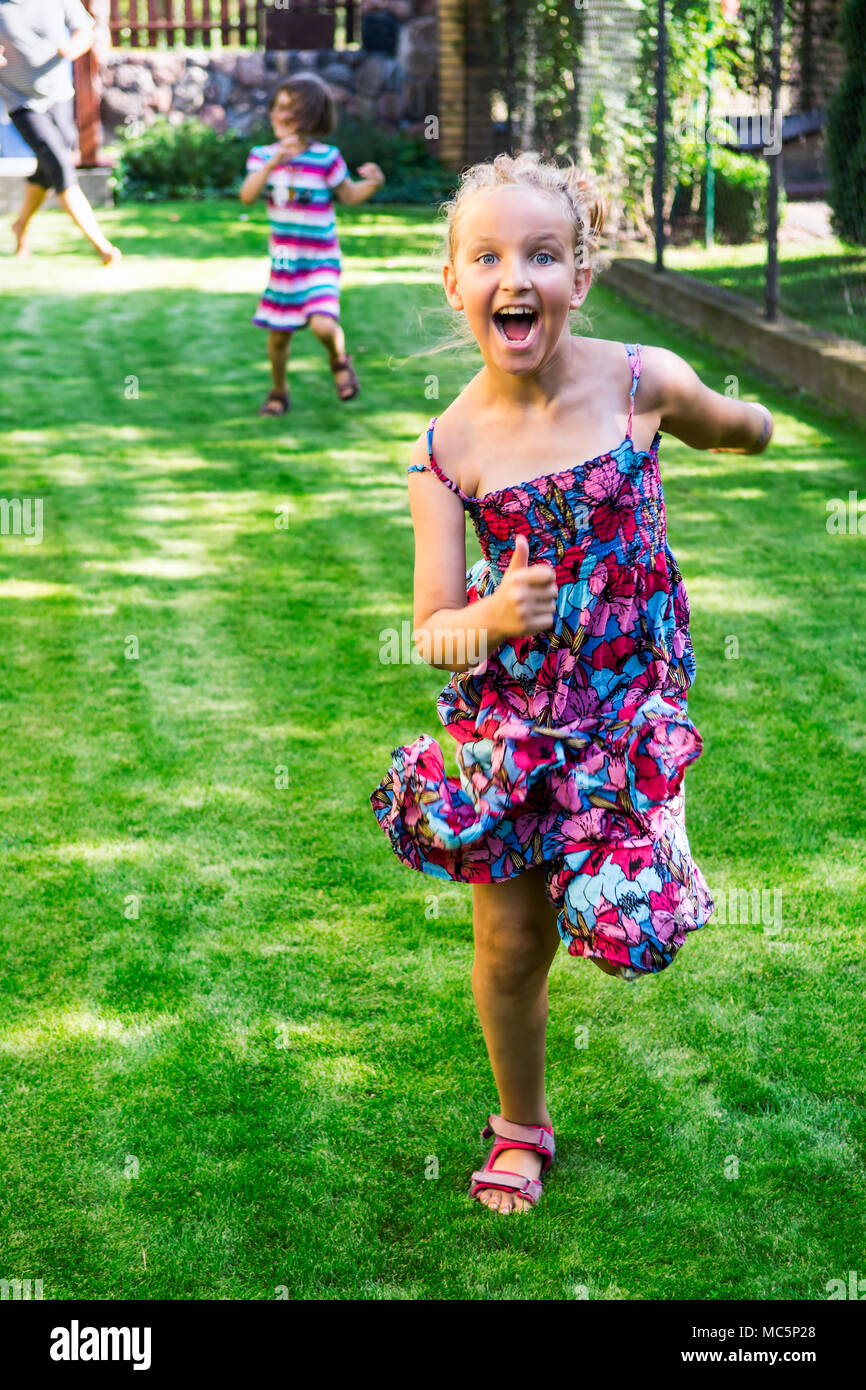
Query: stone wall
[{"x": 230, "y": 90}]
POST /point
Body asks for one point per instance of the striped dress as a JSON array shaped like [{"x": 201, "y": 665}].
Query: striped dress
[{"x": 305, "y": 253}]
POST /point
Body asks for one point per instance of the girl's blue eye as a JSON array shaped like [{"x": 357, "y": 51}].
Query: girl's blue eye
[{"x": 485, "y": 254}]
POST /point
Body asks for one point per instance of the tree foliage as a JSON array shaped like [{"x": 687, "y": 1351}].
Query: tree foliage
[{"x": 846, "y": 131}]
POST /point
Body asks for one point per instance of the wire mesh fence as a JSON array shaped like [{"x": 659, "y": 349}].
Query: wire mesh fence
[{"x": 755, "y": 176}]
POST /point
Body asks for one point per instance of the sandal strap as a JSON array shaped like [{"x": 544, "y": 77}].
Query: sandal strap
[
  {"x": 507, "y": 1182},
  {"x": 540, "y": 1138}
]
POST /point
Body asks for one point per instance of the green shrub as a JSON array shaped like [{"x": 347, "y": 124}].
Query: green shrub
[
  {"x": 186, "y": 160},
  {"x": 742, "y": 183},
  {"x": 742, "y": 186},
  {"x": 192, "y": 160},
  {"x": 412, "y": 171}
]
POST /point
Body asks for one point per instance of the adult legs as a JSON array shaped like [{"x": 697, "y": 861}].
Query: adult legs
[
  {"x": 516, "y": 940},
  {"x": 34, "y": 197},
  {"x": 38, "y": 130},
  {"x": 74, "y": 201},
  {"x": 51, "y": 136}
]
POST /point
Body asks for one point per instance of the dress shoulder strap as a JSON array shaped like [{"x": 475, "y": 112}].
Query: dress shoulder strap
[
  {"x": 433, "y": 466},
  {"x": 634, "y": 357}
]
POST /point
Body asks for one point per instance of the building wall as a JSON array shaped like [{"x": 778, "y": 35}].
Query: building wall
[{"x": 466, "y": 131}]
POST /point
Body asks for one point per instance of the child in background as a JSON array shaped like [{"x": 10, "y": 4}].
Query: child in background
[
  {"x": 300, "y": 172},
  {"x": 570, "y": 713}
]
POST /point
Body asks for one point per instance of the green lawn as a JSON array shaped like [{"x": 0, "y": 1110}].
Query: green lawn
[
  {"x": 821, "y": 284},
  {"x": 243, "y": 1088}
]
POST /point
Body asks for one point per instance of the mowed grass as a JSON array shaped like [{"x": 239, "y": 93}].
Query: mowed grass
[{"x": 272, "y": 1078}]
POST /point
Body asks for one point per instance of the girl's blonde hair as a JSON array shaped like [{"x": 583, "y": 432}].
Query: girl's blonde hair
[{"x": 574, "y": 187}]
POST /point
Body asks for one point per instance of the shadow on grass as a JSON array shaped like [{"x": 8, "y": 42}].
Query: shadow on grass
[{"x": 208, "y": 230}]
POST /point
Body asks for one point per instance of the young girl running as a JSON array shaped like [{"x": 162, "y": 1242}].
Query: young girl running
[
  {"x": 572, "y": 728},
  {"x": 300, "y": 173}
]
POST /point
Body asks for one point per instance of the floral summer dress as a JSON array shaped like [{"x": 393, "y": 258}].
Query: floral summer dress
[{"x": 572, "y": 743}]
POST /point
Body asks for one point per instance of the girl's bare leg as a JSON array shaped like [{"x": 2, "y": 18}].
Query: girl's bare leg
[
  {"x": 516, "y": 940},
  {"x": 279, "y": 344},
  {"x": 34, "y": 197},
  {"x": 330, "y": 334}
]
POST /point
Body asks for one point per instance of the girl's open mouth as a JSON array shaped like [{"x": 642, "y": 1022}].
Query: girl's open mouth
[{"x": 517, "y": 326}]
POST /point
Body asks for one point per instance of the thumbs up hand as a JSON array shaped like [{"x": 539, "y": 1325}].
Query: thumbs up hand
[{"x": 526, "y": 598}]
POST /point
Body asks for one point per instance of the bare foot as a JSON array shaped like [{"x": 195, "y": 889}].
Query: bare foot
[
  {"x": 22, "y": 246},
  {"x": 521, "y": 1161},
  {"x": 111, "y": 255}
]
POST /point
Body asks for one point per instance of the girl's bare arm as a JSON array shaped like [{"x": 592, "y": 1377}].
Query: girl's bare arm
[
  {"x": 445, "y": 625},
  {"x": 699, "y": 416},
  {"x": 358, "y": 191},
  {"x": 450, "y": 633},
  {"x": 253, "y": 184}
]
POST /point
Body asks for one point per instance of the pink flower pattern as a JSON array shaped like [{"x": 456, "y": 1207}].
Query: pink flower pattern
[{"x": 572, "y": 744}]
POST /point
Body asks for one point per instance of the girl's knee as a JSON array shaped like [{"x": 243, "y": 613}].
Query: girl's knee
[
  {"x": 324, "y": 326},
  {"x": 510, "y": 949}
]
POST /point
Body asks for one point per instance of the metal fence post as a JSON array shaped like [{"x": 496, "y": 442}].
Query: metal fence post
[
  {"x": 771, "y": 298},
  {"x": 659, "y": 178}
]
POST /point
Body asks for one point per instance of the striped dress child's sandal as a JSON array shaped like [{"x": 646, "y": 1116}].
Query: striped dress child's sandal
[
  {"x": 349, "y": 390},
  {"x": 536, "y": 1138},
  {"x": 277, "y": 403}
]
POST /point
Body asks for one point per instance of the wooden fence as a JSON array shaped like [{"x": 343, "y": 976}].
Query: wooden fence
[{"x": 202, "y": 23}]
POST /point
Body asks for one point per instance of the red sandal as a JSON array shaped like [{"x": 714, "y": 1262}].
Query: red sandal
[{"x": 536, "y": 1138}]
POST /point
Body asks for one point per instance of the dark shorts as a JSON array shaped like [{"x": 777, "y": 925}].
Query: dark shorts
[{"x": 52, "y": 137}]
